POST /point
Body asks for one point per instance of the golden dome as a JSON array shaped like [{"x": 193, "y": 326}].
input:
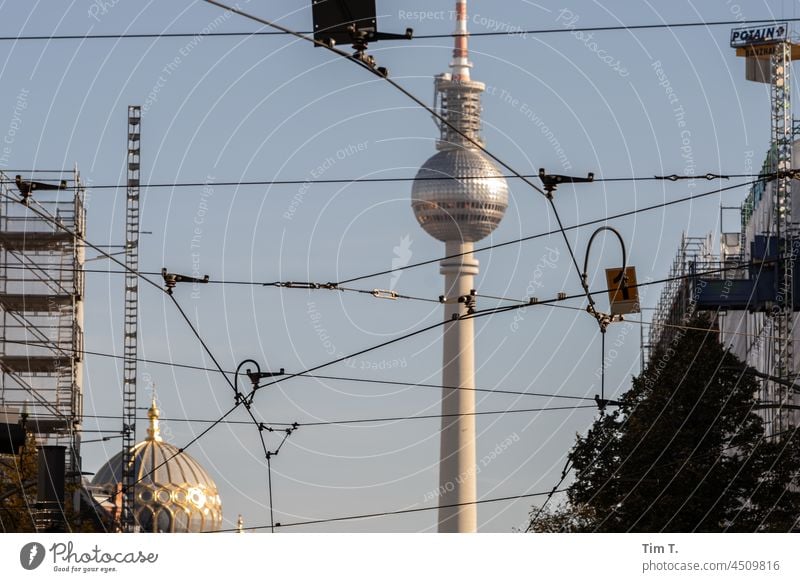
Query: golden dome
[{"x": 173, "y": 492}]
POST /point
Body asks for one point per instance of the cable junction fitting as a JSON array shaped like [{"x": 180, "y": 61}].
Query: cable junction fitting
[
  {"x": 709, "y": 177},
  {"x": 302, "y": 285},
  {"x": 172, "y": 279},
  {"x": 384, "y": 294},
  {"x": 469, "y": 301}
]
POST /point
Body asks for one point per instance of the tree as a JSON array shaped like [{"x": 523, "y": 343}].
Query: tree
[
  {"x": 18, "y": 488},
  {"x": 685, "y": 451},
  {"x": 18, "y": 497}
]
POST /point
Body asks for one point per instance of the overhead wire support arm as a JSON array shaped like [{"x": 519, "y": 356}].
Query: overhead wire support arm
[
  {"x": 393, "y": 83},
  {"x": 551, "y": 182},
  {"x": 172, "y": 279},
  {"x": 254, "y": 377},
  {"x": 247, "y": 401}
]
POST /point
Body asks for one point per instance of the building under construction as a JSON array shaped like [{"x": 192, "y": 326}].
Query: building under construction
[
  {"x": 750, "y": 285},
  {"x": 42, "y": 225},
  {"x": 740, "y": 285}
]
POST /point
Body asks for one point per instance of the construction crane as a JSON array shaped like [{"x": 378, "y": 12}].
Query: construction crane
[{"x": 131, "y": 319}]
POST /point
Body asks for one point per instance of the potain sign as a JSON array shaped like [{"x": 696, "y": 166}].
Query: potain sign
[{"x": 748, "y": 36}]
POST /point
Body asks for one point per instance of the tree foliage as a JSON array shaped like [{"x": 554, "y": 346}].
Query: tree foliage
[
  {"x": 685, "y": 451},
  {"x": 18, "y": 489},
  {"x": 18, "y": 497}
]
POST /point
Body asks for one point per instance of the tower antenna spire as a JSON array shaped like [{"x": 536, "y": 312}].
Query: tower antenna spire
[{"x": 461, "y": 65}]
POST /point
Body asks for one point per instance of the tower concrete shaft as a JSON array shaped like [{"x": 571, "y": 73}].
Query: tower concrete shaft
[
  {"x": 459, "y": 197},
  {"x": 457, "y": 467}
]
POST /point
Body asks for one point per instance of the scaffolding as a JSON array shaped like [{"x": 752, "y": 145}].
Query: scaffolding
[
  {"x": 41, "y": 305},
  {"x": 676, "y": 305},
  {"x": 783, "y": 338}
]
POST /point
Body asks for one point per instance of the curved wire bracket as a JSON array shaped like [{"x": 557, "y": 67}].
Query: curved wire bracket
[{"x": 585, "y": 274}]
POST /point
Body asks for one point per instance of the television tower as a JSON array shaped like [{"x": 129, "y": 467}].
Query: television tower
[{"x": 458, "y": 197}]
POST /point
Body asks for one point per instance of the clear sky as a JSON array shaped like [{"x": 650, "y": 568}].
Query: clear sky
[{"x": 618, "y": 104}]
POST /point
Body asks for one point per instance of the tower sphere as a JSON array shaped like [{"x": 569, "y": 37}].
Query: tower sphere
[{"x": 459, "y": 195}]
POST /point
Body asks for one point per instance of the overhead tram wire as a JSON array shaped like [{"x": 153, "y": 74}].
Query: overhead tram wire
[
  {"x": 556, "y": 488},
  {"x": 388, "y": 513},
  {"x": 531, "y": 237},
  {"x": 327, "y": 377},
  {"x": 374, "y": 71},
  {"x": 491, "y": 33},
  {"x": 518, "y": 304},
  {"x": 275, "y": 426},
  {"x": 523, "y": 305},
  {"x": 45, "y": 215},
  {"x": 339, "y": 181},
  {"x": 370, "y": 68},
  {"x": 181, "y": 450},
  {"x": 249, "y": 396},
  {"x": 634, "y": 321},
  {"x": 527, "y": 238}
]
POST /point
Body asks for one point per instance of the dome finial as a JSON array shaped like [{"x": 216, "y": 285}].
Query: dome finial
[
  {"x": 153, "y": 432},
  {"x": 240, "y": 524}
]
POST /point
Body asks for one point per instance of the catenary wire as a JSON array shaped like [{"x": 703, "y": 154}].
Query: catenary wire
[
  {"x": 519, "y": 304},
  {"x": 513, "y": 32},
  {"x": 280, "y": 425},
  {"x": 526, "y": 238},
  {"x": 374, "y": 71},
  {"x": 321, "y": 377},
  {"x": 312, "y": 181},
  {"x": 568, "y": 469},
  {"x": 391, "y": 513},
  {"x": 552, "y": 232},
  {"x": 46, "y": 216}
]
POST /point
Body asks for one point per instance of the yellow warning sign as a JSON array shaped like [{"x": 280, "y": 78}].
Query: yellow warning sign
[{"x": 623, "y": 294}]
